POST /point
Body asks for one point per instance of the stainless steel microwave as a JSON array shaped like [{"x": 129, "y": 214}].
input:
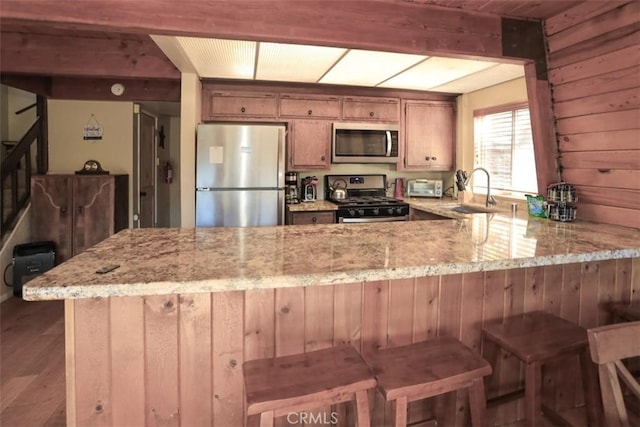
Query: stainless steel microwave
[{"x": 364, "y": 143}]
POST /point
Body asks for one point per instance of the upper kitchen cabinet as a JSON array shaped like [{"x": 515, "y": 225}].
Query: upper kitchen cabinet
[
  {"x": 242, "y": 105},
  {"x": 309, "y": 106},
  {"x": 309, "y": 145},
  {"x": 377, "y": 109},
  {"x": 429, "y": 135}
]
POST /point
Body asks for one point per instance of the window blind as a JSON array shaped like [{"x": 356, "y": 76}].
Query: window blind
[{"x": 504, "y": 146}]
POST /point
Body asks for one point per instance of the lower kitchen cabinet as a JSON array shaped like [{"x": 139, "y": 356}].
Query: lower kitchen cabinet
[
  {"x": 315, "y": 217},
  {"x": 78, "y": 211},
  {"x": 429, "y": 136},
  {"x": 309, "y": 145}
]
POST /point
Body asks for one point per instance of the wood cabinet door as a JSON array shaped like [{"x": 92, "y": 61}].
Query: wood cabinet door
[
  {"x": 241, "y": 105},
  {"x": 52, "y": 212},
  {"x": 93, "y": 210},
  {"x": 318, "y": 217},
  {"x": 376, "y": 109},
  {"x": 309, "y": 144},
  {"x": 309, "y": 106},
  {"x": 429, "y": 136}
]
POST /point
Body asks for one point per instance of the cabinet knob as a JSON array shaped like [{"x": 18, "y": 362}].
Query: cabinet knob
[
  {"x": 371, "y": 114},
  {"x": 80, "y": 209},
  {"x": 242, "y": 110},
  {"x": 434, "y": 158},
  {"x": 427, "y": 158},
  {"x": 314, "y": 220},
  {"x": 310, "y": 112},
  {"x": 322, "y": 158},
  {"x": 63, "y": 210}
]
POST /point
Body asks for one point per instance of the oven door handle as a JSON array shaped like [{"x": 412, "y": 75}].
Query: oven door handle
[
  {"x": 389, "y": 143},
  {"x": 379, "y": 219}
]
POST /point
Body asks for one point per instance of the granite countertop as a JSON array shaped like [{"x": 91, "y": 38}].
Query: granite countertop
[{"x": 170, "y": 261}]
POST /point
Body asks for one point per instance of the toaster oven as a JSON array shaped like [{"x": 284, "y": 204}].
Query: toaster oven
[{"x": 424, "y": 188}]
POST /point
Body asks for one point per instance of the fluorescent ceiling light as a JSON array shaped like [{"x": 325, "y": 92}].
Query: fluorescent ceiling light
[
  {"x": 491, "y": 76},
  {"x": 434, "y": 72},
  {"x": 368, "y": 68},
  {"x": 298, "y": 63},
  {"x": 237, "y": 59},
  {"x": 231, "y": 59}
]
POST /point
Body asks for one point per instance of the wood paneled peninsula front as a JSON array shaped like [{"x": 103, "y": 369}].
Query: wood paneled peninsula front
[{"x": 161, "y": 339}]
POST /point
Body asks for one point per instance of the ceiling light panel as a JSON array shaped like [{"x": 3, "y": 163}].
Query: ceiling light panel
[
  {"x": 488, "y": 77},
  {"x": 368, "y": 68},
  {"x": 296, "y": 63},
  {"x": 216, "y": 58},
  {"x": 435, "y": 71}
]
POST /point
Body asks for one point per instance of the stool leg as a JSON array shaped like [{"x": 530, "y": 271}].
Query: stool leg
[
  {"x": 591, "y": 390},
  {"x": 399, "y": 408},
  {"x": 266, "y": 419},
  {"x": 477, "y": 402},
  {"x": 362, "y": 403},
  {"x": 533, "y": 393}
]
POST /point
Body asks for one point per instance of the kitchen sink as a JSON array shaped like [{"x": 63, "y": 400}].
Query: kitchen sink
[{"x": 465, "y": 209}]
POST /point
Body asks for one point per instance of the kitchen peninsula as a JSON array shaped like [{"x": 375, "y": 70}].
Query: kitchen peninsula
[{"x": 162, "y": 338}]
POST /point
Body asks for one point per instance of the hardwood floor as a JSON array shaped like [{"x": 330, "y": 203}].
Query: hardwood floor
[{"x": 32, "y": 374}]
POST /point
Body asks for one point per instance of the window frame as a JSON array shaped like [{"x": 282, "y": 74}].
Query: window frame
[{"x": 496, "y": 109}]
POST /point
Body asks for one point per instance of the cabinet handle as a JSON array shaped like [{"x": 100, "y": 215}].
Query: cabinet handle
[
  {"x": 371, "y": 114},
  {"x": 314, "y": 220},
  {"x": 434, "y": 158},
  {"x": 427, "y": 158},
  {"x": 310, "y": 112},
  {"x": 242, "y": 110},
  {"x": 322, "y": 158}
]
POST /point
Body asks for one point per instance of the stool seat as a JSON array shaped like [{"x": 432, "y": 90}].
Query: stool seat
[
  {"x": 429, "y": 368},
  {"x": 536, "y": 338},
  {"x": 307, "y": 380}
]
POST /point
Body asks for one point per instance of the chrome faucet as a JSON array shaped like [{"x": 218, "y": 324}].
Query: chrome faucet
[{"x": 490, "y": 199}]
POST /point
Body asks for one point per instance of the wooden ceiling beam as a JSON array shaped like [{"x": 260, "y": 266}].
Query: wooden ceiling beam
[
  {"x": 380, "y": 25},
  {"x": 98, "y": 57}
]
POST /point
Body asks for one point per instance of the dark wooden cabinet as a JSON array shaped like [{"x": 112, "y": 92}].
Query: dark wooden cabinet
[
  {"x": 315, "y": 217},
  {"x": 78, "y": 211}
]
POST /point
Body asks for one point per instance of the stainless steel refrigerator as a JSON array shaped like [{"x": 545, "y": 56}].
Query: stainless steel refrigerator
[{"x": 239, "y": 175}]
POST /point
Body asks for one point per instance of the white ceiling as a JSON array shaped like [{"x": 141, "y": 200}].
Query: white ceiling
[{"x": 237, "y": 59}]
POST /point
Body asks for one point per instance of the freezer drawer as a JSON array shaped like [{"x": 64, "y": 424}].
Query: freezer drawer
[{"x": 239, "y": 208}]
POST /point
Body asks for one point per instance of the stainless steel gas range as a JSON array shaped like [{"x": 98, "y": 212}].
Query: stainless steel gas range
[{"x": 365, "y": 200}]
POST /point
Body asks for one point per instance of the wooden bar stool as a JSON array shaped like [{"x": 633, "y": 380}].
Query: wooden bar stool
[
  {"x": 535, "y": 338},
  {"x": 429, "y": 368},
  {"x": 282, "y": 385}
]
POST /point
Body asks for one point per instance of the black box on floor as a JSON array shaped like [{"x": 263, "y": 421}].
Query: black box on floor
[{"x": 30, "y": 260}]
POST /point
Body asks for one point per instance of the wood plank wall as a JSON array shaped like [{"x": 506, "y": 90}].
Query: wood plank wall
[
  {"x": 177, "y": 360},
  {"x": 594, "y": 71}
]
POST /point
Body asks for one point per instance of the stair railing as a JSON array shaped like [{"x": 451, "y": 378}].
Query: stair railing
[{"x": 15, "y": 194}]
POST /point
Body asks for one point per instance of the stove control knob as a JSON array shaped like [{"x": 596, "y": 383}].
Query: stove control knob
[
  {"x": 352, "y": 212},
  {"x": 399, "y": 210},
  {"x": 390, "y": 210},
  {"x": 361, "y": 212},
  {"x": 376, "y": 211}
]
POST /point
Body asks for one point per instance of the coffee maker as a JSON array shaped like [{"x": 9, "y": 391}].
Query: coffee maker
[
  {"x": 291, "y": 188},
  {"x": 309, "y": 192}
]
